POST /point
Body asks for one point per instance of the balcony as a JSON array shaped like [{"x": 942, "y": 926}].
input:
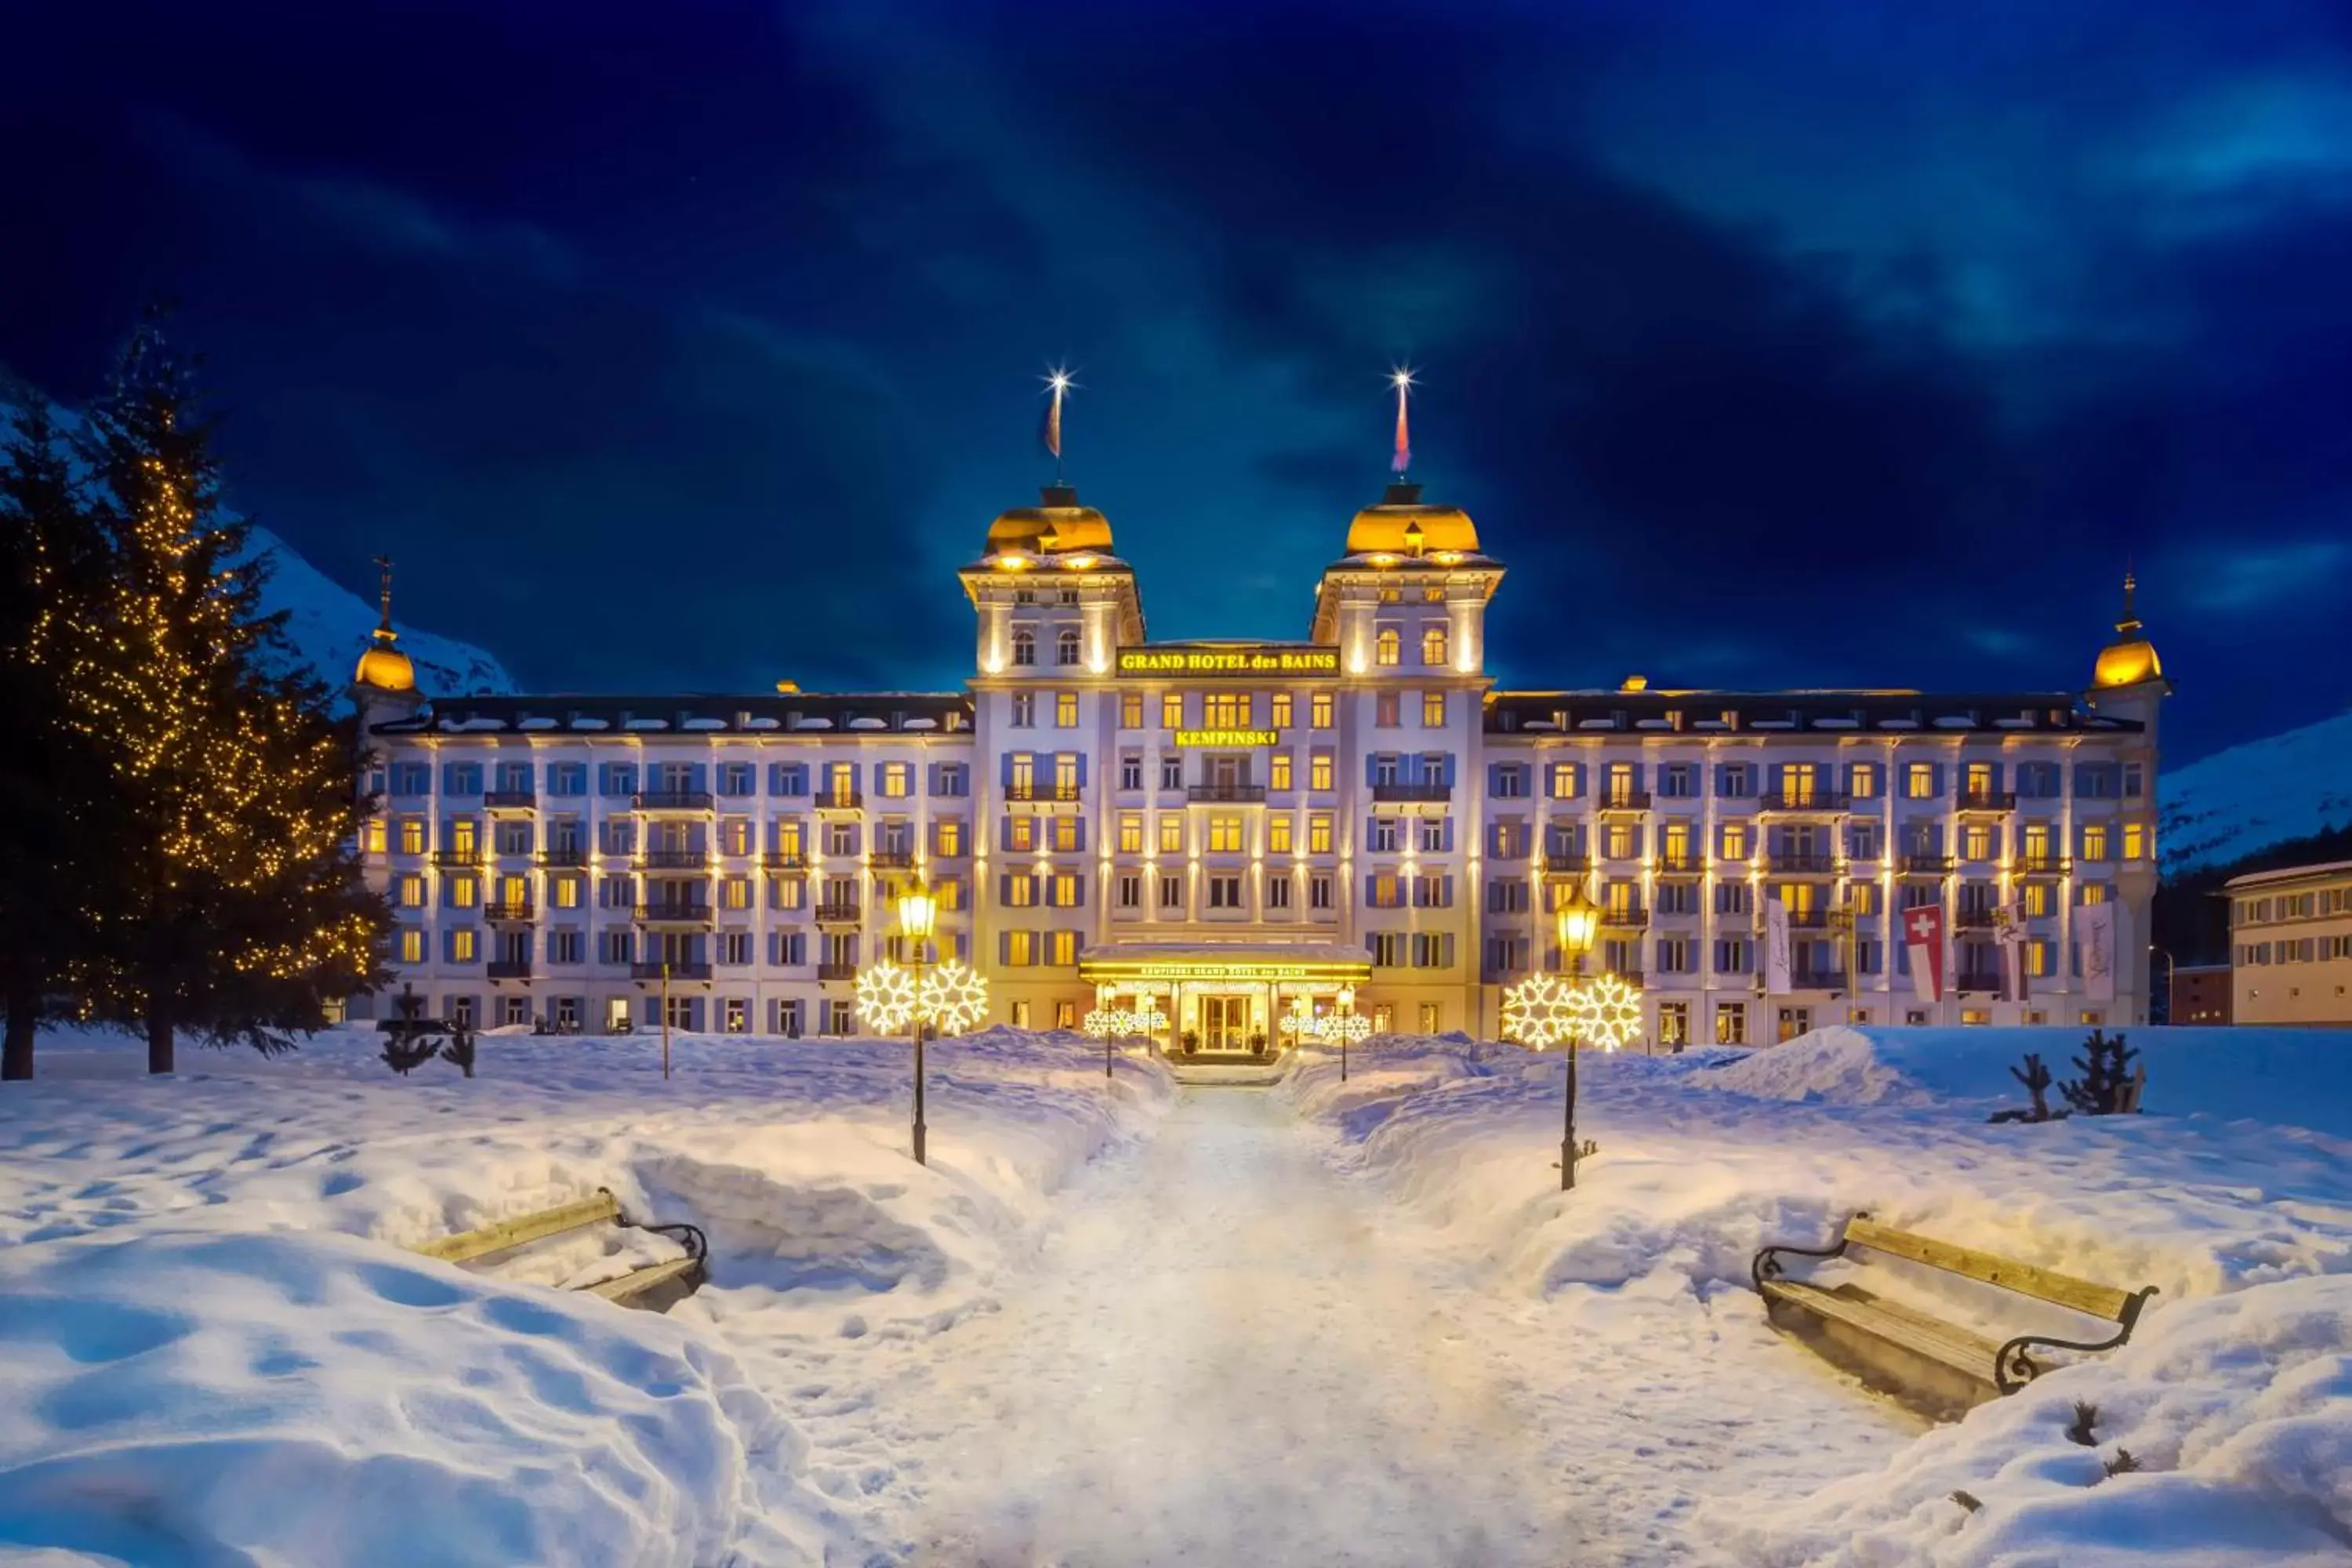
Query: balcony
[
  {"x": 1565, "y": 865},
  {"x": 1973, "y": 920},
  {"x": 1682, "y": 865},
  {"x": 1415, "y": 799},
  {"x": 1033, "y": 796},
  {"x": 676, "y": 911},
  {"x": 1810, "y": 920},
  {"x": 1801, "y": 801},
  {"x": 570, "y": 855},
  {"x": 510, "y": 969},
  {"x": 1817, "y": 980},
  {"x": 836, "y": 971},
  {"x": 1626, "y": 917},
  {"x": 674, "y": 860},
  {"x": 2042, "y": 865},
  {"x": 1624, "y": 800},
  {"x": 511, "y": 800},
  {"x": 515, "y": 912},
  {"x": 891, "y": 859},
  {"x": 457, "y": 860},
  {"x": 1988, "y": 800},
  {"x": 1802, "y": 862},
  {"x": 1978, "y": 980},
  {"x": 673, "y": 800},
  {"x": 841, "y": 914},
  {"x": 1225, "y": 794},
  {"x": 839, "y": 800},
  {"x": 683, "y": 969},
  {"x": 784, "y": 861},
  {"x": 1924, "y": 865}
]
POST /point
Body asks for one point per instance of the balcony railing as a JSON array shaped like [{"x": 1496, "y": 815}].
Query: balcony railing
[
  {"x": 458, "y": 860},
  {"x": 672, "y": 800},
  {"x": 1407, "y": 793},
  {"x": 681, "y": 969},
  {"x": 675, "y": 859},
  {"x": 1925, "y": 865},
  {"x": 1566, "y": 865},
  {"x": 517, "y": 911},
  {"x": 839, "y": 800},
  {"x": 1973, "y": 920},
  {"x": 511, "y": 800},
  {"x": 1978, "y": 980},
  {"x": 2042, "y": 865},
  {"x": 839, "y": 914},
  {"x": 510, "y": 969},
  {"x": 1802, "y": 800},
  {"x": 570, "y": 855},
  {"x": 1810, "y": 920},
  {"x": 1681, "y": 865},
  {"x": 891, "y": 859},
  {"x": 1034, "y": 791},
  {"x": 1625, "y": 917},
  {"x": 836, "y": 971},
  {"x": 1623, "y": 800},
  {"x": 688, "y": 911},
  {"x": 1228, "y": 794},
  {"x": 1802, "y": 860},
  {"x": 1817, "y": 980},
  {"x": 784, "y": 861},
  {"x": 1988, "y": 800}
]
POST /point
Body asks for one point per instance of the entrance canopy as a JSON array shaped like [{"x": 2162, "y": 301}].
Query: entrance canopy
[{"x": 1129, "y": 965}]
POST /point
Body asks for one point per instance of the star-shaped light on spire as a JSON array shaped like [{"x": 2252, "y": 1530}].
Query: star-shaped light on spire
[
  {"x": 1401, "y": 377},
  {"x": 1057, "y": 378}
]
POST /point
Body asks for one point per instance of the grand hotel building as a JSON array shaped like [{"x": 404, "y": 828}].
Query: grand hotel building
[{"x": 1230, "y": 826}]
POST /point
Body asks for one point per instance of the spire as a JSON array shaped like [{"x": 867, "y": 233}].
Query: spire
[
  {"x": 1401, "y": 377},
  {"x": 384, "y": 575},
  {"x": 2130, "y": 623},
  {"x": 1059, "y": 380},
  {"x": 2130, "y": 659},
  {"x": 383, "y": 666}
]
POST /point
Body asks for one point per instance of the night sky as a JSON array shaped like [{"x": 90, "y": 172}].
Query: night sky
[{"x": 693, "y": 346}]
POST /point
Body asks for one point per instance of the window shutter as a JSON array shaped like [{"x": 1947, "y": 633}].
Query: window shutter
[
  {"x": 1082, "y": 832},
  {"x": 1082, "y": 770},
  {"x": 1004, "y": 770},
  {"x": 1080, "y": 902},
  {"x": 1495, "y": 778},
  {"x": 1371, "y": 884}
]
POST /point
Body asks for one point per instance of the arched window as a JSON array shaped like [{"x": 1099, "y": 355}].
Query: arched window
[
  {"x": 1386, "y": 646},
  {"x": 1024, "y": 646},
  {"x": 1432, "y": 647},
  {"x": 1065, "y": 646}
]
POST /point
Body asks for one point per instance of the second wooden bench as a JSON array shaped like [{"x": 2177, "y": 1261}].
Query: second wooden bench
[{"x": 523, "y": 1229}]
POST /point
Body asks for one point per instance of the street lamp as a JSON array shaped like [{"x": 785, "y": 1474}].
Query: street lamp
[
  {"x": 1578, "y": 921},
  {"x": 919, "y": 915},
  {"x": 2171, "y": 1013},
  {"x": 1347, "y": 1010}
]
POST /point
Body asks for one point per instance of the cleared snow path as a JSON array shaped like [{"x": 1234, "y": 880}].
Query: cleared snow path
[{"x": 1231, "y": 1354}]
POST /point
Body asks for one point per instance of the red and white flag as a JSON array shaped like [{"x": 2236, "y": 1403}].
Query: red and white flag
[{"x": 1922, "y": 934}]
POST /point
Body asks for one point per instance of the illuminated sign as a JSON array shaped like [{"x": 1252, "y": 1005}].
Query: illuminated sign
[
  {"x": 1229, "y": 658},
  {"x": 1210, "y": 970},
  {"x": 1228, "y": 738}
]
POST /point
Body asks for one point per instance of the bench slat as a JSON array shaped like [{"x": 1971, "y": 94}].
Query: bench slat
[
  {"x": 2043, "y": 1284},
  {"x": 1948, "y": 1344},
  {"x": 515, "y": 1232},
  {"x": 629, "y": 1286}
]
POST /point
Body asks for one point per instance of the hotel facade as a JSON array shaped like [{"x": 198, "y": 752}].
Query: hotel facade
[{"x": 1231, "y": 828}]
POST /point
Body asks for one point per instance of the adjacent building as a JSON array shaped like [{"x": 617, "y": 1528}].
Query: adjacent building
[
  {"x": 1236, "y": 828},
  {"x": 2291, "y": 945}
]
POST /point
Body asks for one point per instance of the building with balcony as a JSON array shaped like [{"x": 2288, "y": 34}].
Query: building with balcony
[{"x": 1237, "y": 827}]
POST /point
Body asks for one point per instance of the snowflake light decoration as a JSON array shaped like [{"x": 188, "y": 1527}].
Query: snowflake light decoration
[
  {"x": 1606, "y": 1012},
  {"x": 885, "y": 997},
  {"x": 1146, "y": 1019},
  {"x": 954, "y": 998},
  {"x": 1101, "y": 1023},
  {"x": 1344, "y": 1026},
  {"x": 1536, "y": 1012}
]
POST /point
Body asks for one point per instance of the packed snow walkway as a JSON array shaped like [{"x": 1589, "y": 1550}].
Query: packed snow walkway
[{"x": 1232, "y": 1352}]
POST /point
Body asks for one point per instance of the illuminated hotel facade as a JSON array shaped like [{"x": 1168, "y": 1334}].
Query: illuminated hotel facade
[{"x": 1231, "y": 828}]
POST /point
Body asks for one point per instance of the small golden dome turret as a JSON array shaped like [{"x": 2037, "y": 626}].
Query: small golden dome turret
[
  {"x": 2130, "y": 659},
  {"x": 383, "y": 666},
  {"x": 1402, "y": 523},
  {"x": 1055, "y": 526}
]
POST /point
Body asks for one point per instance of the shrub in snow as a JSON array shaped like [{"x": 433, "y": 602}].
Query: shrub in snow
[
  {"x": 2105, "y": 1090},
  {"x": 459, "y": 1049},
  {"x": 2036, "y": 1079}
]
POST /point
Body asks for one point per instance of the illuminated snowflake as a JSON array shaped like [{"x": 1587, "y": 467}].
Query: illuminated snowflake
[
  {"x": 1606, "y": 1012},
  {"x": 1536, "y": 1012},
  {"x": 954, "y": 998},
  {"x": 1102, "y": 1022},
  {"x": 885, "y": 997},
  {"x": 1344, "y": 1026},
  {"x": 1146, "y": 1019}
]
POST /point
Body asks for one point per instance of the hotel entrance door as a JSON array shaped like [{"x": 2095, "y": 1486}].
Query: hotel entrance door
[{"x": 1225, "y": 1023}]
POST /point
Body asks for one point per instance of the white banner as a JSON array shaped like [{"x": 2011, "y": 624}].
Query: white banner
[
  {"x": 1776, "y": 949},
  {"x": 2008, "y": 931},
  {"x": 2094, "y": 929}
]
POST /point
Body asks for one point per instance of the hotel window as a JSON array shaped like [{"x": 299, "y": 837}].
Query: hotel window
[
  {"x": 1066, "y": 776},
  {"x": 1674, "y": 1025},
  {"x": 1976, "y": 842},
  {"x": 1020, "y": 948},
  {"x": 412, "y": 893},
  {"x": 1277, "y": 835},
  {"x": 1069, "y": 834},
  {"x": 1387, "y": 949},
  {"x": 1064, "y": 952},
  {"x": 1435, "y": 834},
  {"x": 1172, "y": 892},
  {"x": 2134, "y": 777},
  {"x": 1562, "y": 781},
  {"x": 1862, "y": 780},
  {"x": 787, "y": 892},
  {"x": 1021, "y": 833},
  {"x": 1385, "y": 710},
  {"x": 564, "y": 893},
  {"x": 898, "y": 782},
  {"x": 1432, "y": 710},
  {"x": 2135, "y": 841},
  {"x": 841, "y": 838},
  {"x": 1277, "y": 892},
  {"x": 1024, "y": 646},
  {"x": 1065, "y": 710},
  {"x": 1225, "y": 835},
  {"x": 1171, "y": 833},
  {"x": 464, "y": 892},
  {"x": 1431, "y": 949},
  {"x": 1024, "y": 709},
  {"x": 1319, "y": 771},
  {"x": 1130, "y": 771},
  {"x": 411, "y": 945},
  {"x": 1862, "y": 840},
  {"x": 1432, "y": 647},
  {"x": 372, "y": 836},
  {"x": 1130, "y": 891},
  {"x": 2038, "y": 953},
  {"x": 2093, "y": 893},
  {"x": 1919, "y": 781},
  {"x": 1384, "y": 836},
  {"x": 734, "y": 892},
  {"x": 2035, "y": 896},
  {"x": 1278, "y": 771},
  {"x": 1731, "y": 1023},
  {"x": 1735, "y": 841},
  {"x": 1131, "y": 709},
  {"x": 1019, "y": 891},
  {"x": 735, "y": 835},
  {"x": 949, "y": 890},
  {"x": 1065, "y": 646},
  {"x": 461, "y": 835},
  {"x": 1319, "y": 891},
  {"x": 948, "y": 832},
  {"x": 1023, "y": 780},
  {"x": 1130, "y": 833},
  {"x": 412, "y": 836},
  {"x": 1225, "y": 711},
  {"x": 1226, "y": 892},
  {"x": 564, "y": 946},
  {"x": 461, "y": 946},
  {"x": 1738, "y": 898},
  {"x": 1620, "y": 841},
  {"x": 1062, "y": 892},
  {"x": 1320, "y": 709},
  {"x": 1171, "y": 772},
  {"x": 1386, "y": 646},
  {"x": 1862, "y": 899},
  {"x": 1171, "y": 710},
  {"x": 1278, "y": 716},
  {"x": 2094, "y": 841},
  {"x": 1318, "y": 834}
]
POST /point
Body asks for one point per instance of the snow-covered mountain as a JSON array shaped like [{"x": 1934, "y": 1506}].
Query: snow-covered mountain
[
  {"x": 2254, "y": 795},
  {"x": 327, "y": 624}
]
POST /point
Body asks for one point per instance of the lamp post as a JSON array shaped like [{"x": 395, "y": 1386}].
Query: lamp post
[
  {"x": 1576, "y": 920},
  {"x": 1347, "y": 1010},
  {"x": 2169, "y": 981},
  {"x": 919, "y": 914}
]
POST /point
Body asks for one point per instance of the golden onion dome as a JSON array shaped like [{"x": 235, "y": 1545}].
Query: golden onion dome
[
  {"x": 1404, "y": 523},
  {"x": 384, "y": 667},
  {"x": 2130, "y": 659},
  {"x": 1057, "y": 525}
]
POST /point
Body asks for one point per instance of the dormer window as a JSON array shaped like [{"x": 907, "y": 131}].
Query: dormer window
[
  {"x": 1065, "y": 646},
  {"x": 1024, "y": 646}
]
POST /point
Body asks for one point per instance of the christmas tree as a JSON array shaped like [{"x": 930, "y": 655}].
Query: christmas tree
[{"x": 239, "y": 913}]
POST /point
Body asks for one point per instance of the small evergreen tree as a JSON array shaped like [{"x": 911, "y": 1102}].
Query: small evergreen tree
[
  {"x": 458, "y": 1049},
  {"x": 241, "y": 913},
  {"x": 2109, "y": 1086},
  {"x": 410, "y": 1039},
  {"x": 2036, "y": 1079}
]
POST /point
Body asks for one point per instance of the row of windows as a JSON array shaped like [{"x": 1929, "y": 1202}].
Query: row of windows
[
  {"x": 2295, "y": 950},
  {"x": 1680, "y": 843},
  {"x": 893, "y": 781},
  {"x": 622, "y": 892},
  {"x": 1799, "y": 785},
  {"x": 567, "y": 945},
  {"x": 462, "y": 837},
  {"x": 2309, "y": 905}
]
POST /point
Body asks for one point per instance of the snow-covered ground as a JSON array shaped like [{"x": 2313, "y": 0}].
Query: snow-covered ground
[{"x": 1125, "y": 1323}]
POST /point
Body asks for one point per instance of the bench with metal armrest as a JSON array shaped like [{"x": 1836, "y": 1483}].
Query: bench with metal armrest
[{"x": 523, "y": 1229}]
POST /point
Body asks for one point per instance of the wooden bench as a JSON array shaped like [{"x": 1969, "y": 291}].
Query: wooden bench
[
  {"x": 523, "y": 1229},
  {"x": 2005, "y": 1365}
]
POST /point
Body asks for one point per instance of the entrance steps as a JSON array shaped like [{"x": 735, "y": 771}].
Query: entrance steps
[{"x": 1229, "y": 1072}]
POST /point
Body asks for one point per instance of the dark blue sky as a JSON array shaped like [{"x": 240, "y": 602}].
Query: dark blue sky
[{"x": 695, "y": 345}]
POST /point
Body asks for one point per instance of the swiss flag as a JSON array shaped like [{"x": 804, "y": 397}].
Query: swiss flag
[{"x": 1922, "y": 934}]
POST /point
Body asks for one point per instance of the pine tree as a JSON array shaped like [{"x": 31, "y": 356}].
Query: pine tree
[
  {"x": 55, "y": 832},
  {"x": 241, "y": 914}
]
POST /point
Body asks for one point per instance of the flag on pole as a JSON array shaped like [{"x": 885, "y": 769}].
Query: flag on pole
[
  {"x": 1922, "y": 935},
  {"x": 2008, "y": 932},
  {"x": 1776, "y": 948},
  {"x": 2095, "y": 931}
]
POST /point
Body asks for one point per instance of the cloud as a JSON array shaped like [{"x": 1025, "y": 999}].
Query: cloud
[{"x": 2246, "y": 578}]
